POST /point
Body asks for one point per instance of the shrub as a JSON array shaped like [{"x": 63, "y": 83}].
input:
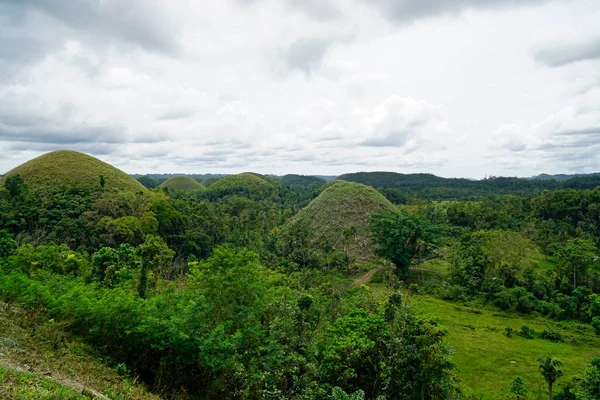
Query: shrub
[
  {"x": 508, "y": 331},
  {"x": 552, "y": 335},
  {"x": 527, "y": 332}
]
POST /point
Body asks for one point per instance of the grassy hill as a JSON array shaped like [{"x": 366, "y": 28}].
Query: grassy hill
[
  {"x": 183, "y": 183},
  {"x": 70, "y": 169},
  {"x": 246, "y": 184},
  {"x": 340, "y": 217}
]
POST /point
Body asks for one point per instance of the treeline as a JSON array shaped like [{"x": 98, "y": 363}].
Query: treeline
[{"x": 400, "y": 188}]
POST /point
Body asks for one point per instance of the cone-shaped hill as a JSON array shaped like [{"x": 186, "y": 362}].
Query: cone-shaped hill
[
  {"x": 182, "y": 183},
  {"x": 339, "y": 216},
  {"x": 67, "y": 169},
  {"x": 246, "y": 184}
]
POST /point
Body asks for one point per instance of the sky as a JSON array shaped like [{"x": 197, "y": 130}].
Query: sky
[{"x": 457, "y": 88}]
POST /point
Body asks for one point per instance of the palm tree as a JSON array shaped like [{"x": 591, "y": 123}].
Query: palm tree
[{"x": 550, "y": 370}]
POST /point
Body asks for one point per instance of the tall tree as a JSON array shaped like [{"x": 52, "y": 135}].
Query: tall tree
[
  {"x": 575, "y": 258},
  {"x": 550, "y": 370},
  {"x": 401, "y": 238}
]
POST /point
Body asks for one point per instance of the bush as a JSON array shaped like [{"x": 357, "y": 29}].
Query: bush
[
  {"x": 527, "y": 332},
  {"x": 508, "y": 331},
  {"x": 552, "y": 335}
]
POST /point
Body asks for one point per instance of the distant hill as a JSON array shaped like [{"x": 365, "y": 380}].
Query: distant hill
[
  {"x": 182, "y": 183},
  {"x": 564, "y": 177},
  {"x": 339, "y": 217},
  {"x": 70, "y": 169},
  {"x": 210, "y": 180},
  {"x": 148, "y": 181},
  {"x": 302, "y": 180},
  {"x": 428, "y": 186},
  {"x": 246, "y": 184}
]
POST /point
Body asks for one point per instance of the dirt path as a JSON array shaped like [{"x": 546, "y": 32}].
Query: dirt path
[
  {"x": 366, "y": 277},
  {"x": 84, "y": 390}
]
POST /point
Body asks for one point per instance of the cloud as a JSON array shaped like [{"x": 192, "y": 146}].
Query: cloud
[
  {"x": 568, "y": 139},
  {"x": 306, "y": 54},
  {"x": 322, "y": 10},
  {"x": 560, "y": 55},
  {"x": 512, "y": 138},
  {"x": 397, "y": 121},
  {"x": 143, "y": 23},
  {"x": 406, "y": 11}
]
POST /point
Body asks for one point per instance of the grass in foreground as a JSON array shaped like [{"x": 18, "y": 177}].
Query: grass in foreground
[
  {"x": 38, "y": 358},
  {"x": 21, "y": 385}
]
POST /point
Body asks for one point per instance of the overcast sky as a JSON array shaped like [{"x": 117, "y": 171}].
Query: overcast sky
[{"x": 452, "y": 87}]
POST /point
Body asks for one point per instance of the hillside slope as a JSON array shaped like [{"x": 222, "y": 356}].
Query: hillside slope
[
  {"x": 339, "y": 216},
  {"x": 245, "y": 184},
  {"x": 39, "y": 360},
  {"x": 66, "y": 169}
]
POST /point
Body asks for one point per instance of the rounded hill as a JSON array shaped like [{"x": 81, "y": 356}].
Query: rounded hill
[
  {"x": 67, "y": 169},
  {"x": 244, "y": 184},
  {"x": 339, "y": 219},
  {"x": 182, "y": 183}
]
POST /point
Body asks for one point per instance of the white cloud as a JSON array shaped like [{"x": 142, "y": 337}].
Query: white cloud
[{"x": 454, "y": 88}]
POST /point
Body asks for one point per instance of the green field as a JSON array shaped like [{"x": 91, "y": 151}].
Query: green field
[{"x": 488, "y": 360}]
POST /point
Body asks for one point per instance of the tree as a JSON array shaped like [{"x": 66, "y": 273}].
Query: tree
[
  {"x": 15, "y": 185},
  {"x": 518, "y": 387},
  {"x": 589, "y": 386},
  {"x": 154, "y": 254},
  {"x": 576, "y": 257},
  {"x": 401, "y": 238},
  {"x": 550, "y": 370}
]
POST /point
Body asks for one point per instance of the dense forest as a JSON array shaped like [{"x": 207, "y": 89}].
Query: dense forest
[{"x": 259, "y": 287}]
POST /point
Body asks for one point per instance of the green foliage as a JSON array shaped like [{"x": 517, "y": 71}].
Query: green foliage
[
  {"x": 15, "y": 185},
  {"x": 552, "y": 335},
  {"x": 302, "y": 180},
  {"x": 338, "y": 393},
  {"x": 518, "y": 387},
  {"x": 550, "y": 369},
  {"x": 527, "y": 332},
  {"x": 483, "y": 256},
  {"x": 401, "y": 238},
  {"x": 576, "y": 258}
]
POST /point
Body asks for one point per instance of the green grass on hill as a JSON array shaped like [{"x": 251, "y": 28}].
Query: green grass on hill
[
  {"x": 488, "y": 360},
  {"x": 21, "y": 385},
  {"x": 245, "y": 184},
  {"x": 39, "y": 360},
  {"x": 340, "y": 216},
  {"x": 182, "y": 183},
  {"x": 67, "y": 169}
]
